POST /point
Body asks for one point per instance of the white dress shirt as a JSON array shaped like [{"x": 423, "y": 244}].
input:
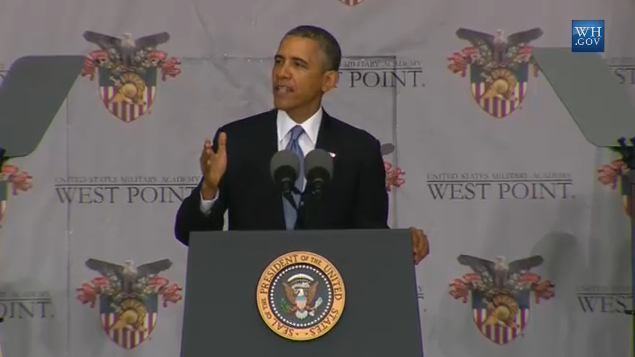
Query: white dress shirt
[{"x": 307, "y": 141}]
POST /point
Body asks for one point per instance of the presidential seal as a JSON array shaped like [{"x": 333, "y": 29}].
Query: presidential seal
[{"x": 301, "y": 296}]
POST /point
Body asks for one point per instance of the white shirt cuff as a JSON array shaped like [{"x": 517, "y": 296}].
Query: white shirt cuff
[{"x": 206, "y": 205}]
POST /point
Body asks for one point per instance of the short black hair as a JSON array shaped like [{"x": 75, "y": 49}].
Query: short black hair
[{"x": 327, "y": 42}]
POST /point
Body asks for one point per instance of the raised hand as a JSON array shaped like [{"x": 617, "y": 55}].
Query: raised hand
[{"x": 213, "y": 166}]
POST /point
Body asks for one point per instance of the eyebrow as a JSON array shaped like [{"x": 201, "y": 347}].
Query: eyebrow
[{"x": 298, "y": 59}]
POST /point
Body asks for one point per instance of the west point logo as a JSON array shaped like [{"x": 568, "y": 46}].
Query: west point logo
[
  {"x": 605, "y": 298},
  {"x": 26, "y": 305},
  {"x": 623, "y": 68},
  {"x": 381, "y": 72},
  {"x": 128, "y": 298},
  {"x": 12, "y": 181},
  {"x": 129, "y": 189},
  {"x": 393, "y": 174},
  {"x": 501, "y": 294},
  {"x": 498, "y": 66},
  {"x": 128, "y": 69},
  {"x": 475, "y": 186}
]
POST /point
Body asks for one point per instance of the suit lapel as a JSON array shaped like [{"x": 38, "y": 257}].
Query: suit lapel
[
  {"x": 270, "y": 136},
  {"x": 325, "y": 136},
  {"x": 326, "y": 141},
  {"x": 270, "y": 147}
]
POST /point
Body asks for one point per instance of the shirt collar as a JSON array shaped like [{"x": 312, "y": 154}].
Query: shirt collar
[{"x": 311, "y": 126}]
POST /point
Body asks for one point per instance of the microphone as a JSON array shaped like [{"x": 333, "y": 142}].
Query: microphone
[
  {"x": 318, "y": 169},
  {"x": 284, "y": 168}
]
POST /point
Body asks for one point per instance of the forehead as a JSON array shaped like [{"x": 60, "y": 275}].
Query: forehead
[{"x": 299, "y": 47}]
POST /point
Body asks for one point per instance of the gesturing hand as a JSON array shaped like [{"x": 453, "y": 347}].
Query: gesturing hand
[{"x": 213, "y": 166}]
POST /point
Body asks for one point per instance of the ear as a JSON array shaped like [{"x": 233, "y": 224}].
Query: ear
[{"x": 329, "y": 80}]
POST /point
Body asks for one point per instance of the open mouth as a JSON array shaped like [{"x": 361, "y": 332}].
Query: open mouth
[{"x": 280, "y": 89}]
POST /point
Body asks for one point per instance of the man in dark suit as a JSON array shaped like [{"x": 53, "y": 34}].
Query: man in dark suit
[{"x": 236, "y": 177}]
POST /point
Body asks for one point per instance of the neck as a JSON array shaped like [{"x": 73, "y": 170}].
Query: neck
[{"x": 302, "y": 114}]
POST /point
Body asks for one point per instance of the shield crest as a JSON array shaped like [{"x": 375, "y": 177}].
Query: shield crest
[
  {"x": 129, "y": 321},
  {"x": 128, "y": 95},
  {"x": 500, "y": 91},
  {"x": 502, "y": 318},
  {"x": 351, "y": 2}
]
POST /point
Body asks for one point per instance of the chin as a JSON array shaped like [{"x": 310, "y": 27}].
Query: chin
[{"x": 282, "y": 104}]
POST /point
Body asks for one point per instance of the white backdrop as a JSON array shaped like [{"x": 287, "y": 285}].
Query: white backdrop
[{"x": 480, "y": 184}]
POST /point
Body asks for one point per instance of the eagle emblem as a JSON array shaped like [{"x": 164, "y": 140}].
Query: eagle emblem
[
  {"x": 128, "y": 297},
  {"x": 301, "y": 295},
  {"x": 500, "y": 293},
  {"x": 498, "y": 66},
  {"x": 393, "y": 174},
  {"x": 303, "y": 299},
  {"x": 127, "y": 70}
]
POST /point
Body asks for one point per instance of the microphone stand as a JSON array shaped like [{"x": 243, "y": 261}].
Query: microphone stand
[
  {"x": 308, "y": 205},
  {"x": 301, "y": 223},
  {"x": 287, "y": 193}
]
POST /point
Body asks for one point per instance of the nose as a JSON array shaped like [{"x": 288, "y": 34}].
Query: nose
[{"x": 283, "y": 71}]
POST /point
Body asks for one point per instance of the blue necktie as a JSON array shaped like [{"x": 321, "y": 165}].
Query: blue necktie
[{"x": 290, "y": 214}]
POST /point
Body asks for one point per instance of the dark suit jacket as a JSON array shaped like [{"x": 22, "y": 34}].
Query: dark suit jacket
[{"x": 355, "y": 198}]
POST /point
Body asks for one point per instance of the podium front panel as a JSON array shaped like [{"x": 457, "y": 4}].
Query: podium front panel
[{"x": 380, "y": 316}]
